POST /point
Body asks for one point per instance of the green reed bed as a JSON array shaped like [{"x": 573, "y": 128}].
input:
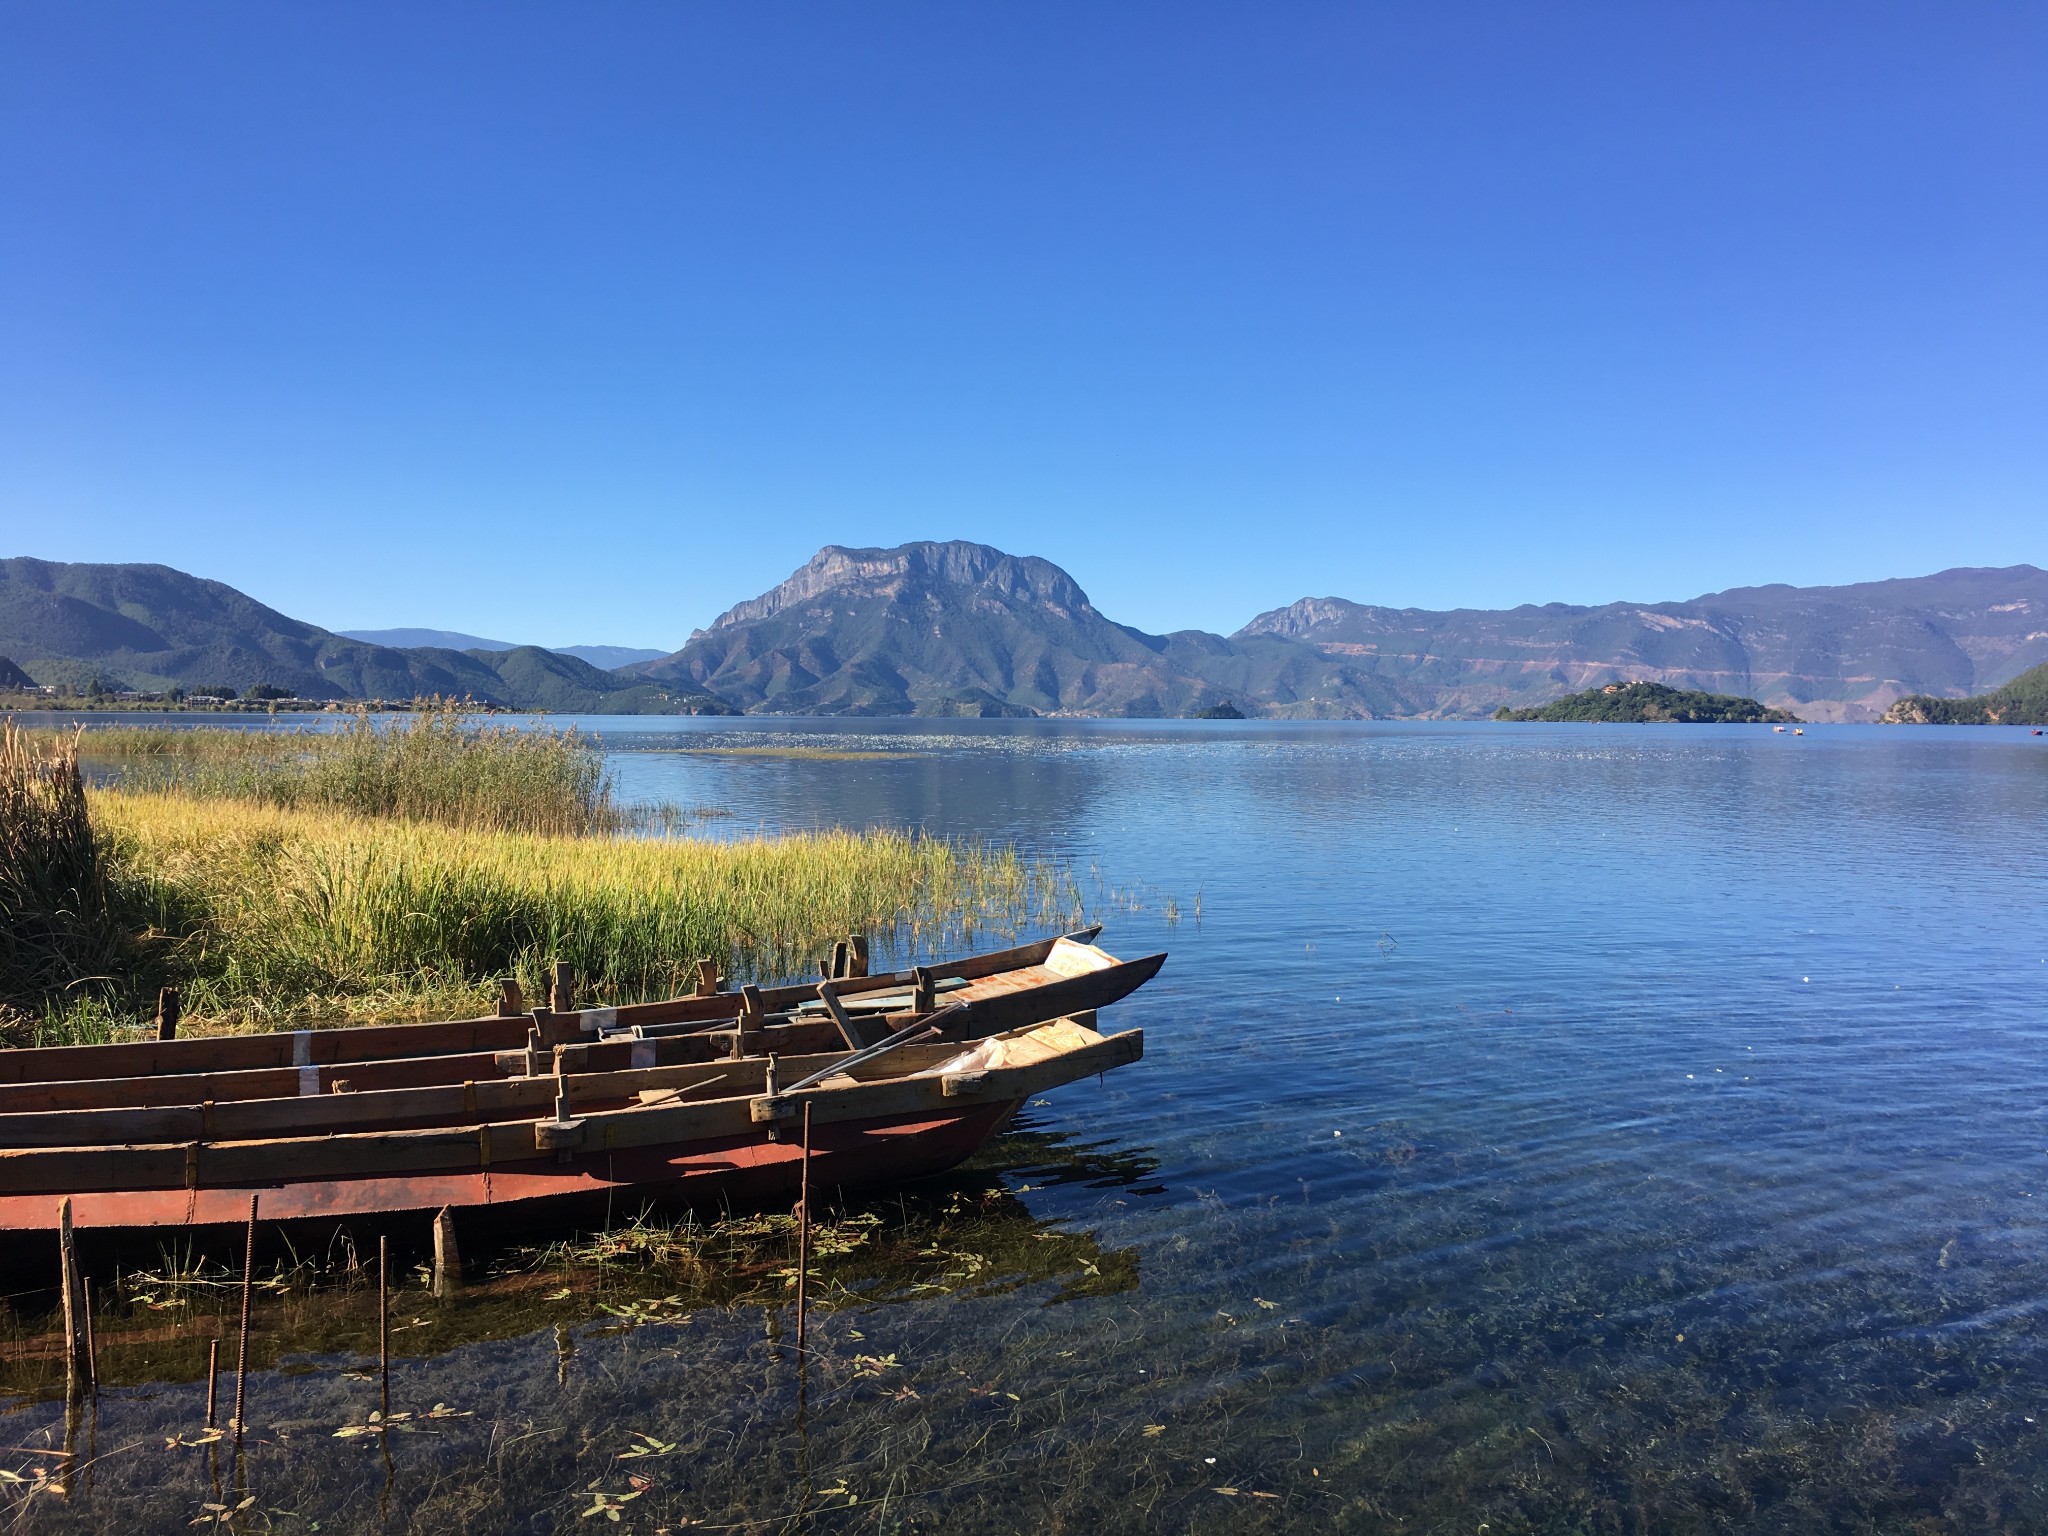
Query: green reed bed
[
  {"x": 437, "y": 766},
  {"x": 285, "y": 915}
]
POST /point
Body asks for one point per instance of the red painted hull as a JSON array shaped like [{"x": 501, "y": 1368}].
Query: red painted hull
[{"x": 737, "y": 1172}]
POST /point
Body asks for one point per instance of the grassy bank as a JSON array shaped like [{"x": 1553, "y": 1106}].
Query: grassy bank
[{"x": 271, "y": 913}]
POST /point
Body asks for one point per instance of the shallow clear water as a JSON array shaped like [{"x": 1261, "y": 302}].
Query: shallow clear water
[{"x": 1542, "y": 1128}]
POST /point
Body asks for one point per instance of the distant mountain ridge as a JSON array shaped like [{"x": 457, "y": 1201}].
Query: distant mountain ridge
[
  {"x": 957, "y": 628},
  {"x": 150, "y": 627},
  {"x": 1831, "y": 653}
]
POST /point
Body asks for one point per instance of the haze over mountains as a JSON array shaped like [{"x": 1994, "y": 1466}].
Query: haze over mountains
[
  {"x": 606, "y": 656},
  {"x": 964, "y": 629}
]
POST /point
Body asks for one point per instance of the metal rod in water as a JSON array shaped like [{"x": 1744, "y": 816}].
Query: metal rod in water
[
  {"x": 248, "y": 1291},
  {"x": 92, "y": 1354},
  {"x": 803, "y": 1234},
  {"x": 384, "y": 1321}
]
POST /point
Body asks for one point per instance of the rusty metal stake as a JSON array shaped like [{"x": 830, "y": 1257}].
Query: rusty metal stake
[
  {"x": 212, "y": 1378},
  {"x": 248, "y": 1294}
]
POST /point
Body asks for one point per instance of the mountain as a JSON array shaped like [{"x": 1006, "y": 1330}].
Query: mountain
[
  {"x": 150, "y": 627},
  {"x": 2023, "y": 701},
  {"x": 604, "y": 657},
  {"x": 963, "y": 629},
  {"x": 12, "y": 677},
  {"x": 1830, "y": 653}
]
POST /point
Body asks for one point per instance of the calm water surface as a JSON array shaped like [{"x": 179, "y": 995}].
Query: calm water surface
[{"x": 1541, "y": 1129}]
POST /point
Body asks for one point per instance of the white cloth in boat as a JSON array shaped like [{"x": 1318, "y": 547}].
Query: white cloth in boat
[{"x": 1019, "y": 1048}]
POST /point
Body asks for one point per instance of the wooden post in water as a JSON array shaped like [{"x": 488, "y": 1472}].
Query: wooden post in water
[
  {"x": 77, "y": 1365},
  {"x": 384, "y": 1324},
  {"x": 248, "y": 1295},
  {"x": 212, "y": 1379},
  {"x": 167, "y": 1013},
  {"x": 447, "y": 1257},
  {"x": 838, "y": 960},
  {"x": 707, "y": 977},
  {"x": 753, "y": 1019},
  {"x": 803, "y": 1233},
  {"x": 511, "y": 1001},
  {"x": 857, "y": 948}
]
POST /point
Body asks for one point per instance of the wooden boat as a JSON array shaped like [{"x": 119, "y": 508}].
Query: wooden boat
[{"x": 523, "y": 1111}]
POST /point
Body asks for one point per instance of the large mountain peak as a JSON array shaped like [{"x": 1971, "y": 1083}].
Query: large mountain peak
[{"x": 915, "y": 569}]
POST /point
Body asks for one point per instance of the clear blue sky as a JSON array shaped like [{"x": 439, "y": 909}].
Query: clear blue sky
[{"x": 578, "y": 322}]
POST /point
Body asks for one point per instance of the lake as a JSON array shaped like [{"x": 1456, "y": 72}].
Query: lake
[{"x": 1541, "y": 1129}]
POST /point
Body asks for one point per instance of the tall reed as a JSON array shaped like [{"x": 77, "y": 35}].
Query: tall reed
[
  {"x": 437, "y": 765},
  {"x": 279, "y": 914},
  {"x": 63, "y": 930}
]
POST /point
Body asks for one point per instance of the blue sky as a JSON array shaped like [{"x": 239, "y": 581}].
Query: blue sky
[{"x": 580, "y": 322}]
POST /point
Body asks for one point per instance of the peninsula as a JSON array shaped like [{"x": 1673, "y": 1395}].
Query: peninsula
[
  {"x": 1652, "y": 703},
  {"x": 2023, "y": 701}
]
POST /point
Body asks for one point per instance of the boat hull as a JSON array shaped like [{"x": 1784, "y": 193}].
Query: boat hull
[{"x": 732, "y": 1172}]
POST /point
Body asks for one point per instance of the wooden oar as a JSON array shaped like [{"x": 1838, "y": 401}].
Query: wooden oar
[{"x": 909, "y": 1034}]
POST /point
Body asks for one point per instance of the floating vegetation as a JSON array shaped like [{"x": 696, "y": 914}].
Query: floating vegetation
[
  {"x": 802, "y": 753},
  {"x": 967, "y": 1236}
]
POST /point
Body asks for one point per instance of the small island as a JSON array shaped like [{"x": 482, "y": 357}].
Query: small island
[
  {"x": 2023, "y": 701},
  {"x": 1652, "y": 703},
  {"x": 1224, "y": 711}
]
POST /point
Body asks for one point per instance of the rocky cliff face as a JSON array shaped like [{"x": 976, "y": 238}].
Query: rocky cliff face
[{"x": 857, "y": 575}]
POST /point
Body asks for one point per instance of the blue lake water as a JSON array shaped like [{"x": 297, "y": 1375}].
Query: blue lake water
[{"x": 1541, "y": 1128}]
